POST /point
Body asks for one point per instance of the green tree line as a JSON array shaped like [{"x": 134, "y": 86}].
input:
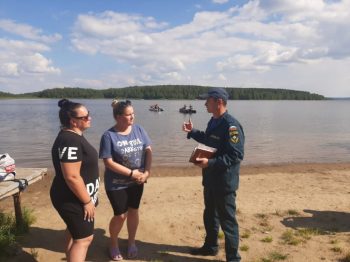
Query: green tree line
[
  {"x": 172, "y": 92},
  {"x": 6, "y": 95}
]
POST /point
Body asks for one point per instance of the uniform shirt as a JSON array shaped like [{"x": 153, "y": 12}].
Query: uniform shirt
[
  {"x": 70, "y": 147},
  {"x": 127, "y": 150},
  {"x": 227, "y": 136}
]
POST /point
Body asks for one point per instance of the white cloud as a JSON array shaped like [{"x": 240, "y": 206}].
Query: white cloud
[
  {"x": 21, "y": 47},
  {"x": 37, "y": 63},
  {"x": 261, "y": 43},
  {"x": 261, "y": 36},
  {"x": 23, "y": 58},
  {"x": 27, "y": 31},
  {"x": 9, "y": 69},
  {"x": 22, "y": 62},
  {"x": 220, "y": 1}
]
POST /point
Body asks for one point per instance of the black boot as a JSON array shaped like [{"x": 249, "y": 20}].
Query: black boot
[{"x": 203, "y": 251}]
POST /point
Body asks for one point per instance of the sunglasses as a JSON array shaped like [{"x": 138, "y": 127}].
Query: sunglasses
[{"x": 85, "y": 118}]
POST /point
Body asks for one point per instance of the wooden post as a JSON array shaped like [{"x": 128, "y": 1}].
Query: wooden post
[{"x": 18, "y": 209}]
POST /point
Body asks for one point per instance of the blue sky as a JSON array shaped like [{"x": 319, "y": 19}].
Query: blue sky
[{"x": 289, "y": 44}]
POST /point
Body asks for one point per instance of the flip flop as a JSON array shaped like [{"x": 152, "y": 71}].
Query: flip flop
[
  {"x": 132, "y": 251},
  {"x": 115, "y": 254}
]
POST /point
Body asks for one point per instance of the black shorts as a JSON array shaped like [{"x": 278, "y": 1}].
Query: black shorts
[
  {"x": 73, "y": 215},
  {"x": 122, "y": 199}
]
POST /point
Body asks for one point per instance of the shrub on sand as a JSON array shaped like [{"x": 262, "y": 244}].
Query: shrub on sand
[
  {"x": 337, "y": 249},
  {"x": 267, "y": 239},
  {"x": 288, "y": 237},
  {"x": 293, "y": 212},
  {"x": 245, "y": 234},
  {"x": 7, "y": 234},
  {"x": 346, "y": 258},
  {"x": 9, "y": 231},
  {"x": 274, "y": 256},
  {"x": 244, "y": 248},
  {"x": 300, "y": 235}
]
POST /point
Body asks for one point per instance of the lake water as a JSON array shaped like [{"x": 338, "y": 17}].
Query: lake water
[{"x": 276, "y": 131}]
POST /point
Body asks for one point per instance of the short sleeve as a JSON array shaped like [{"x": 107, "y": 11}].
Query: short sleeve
[
  {"x": 105, "y": 146},
  {"x": 145, "y": 137},
  {"x": 70, "y": 150}
]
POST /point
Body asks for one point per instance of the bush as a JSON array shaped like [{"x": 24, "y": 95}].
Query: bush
[
  {"x": 346, "y": 258},
  {"x": 7, "y": 234},
  {"x": 9, "y": 231}
]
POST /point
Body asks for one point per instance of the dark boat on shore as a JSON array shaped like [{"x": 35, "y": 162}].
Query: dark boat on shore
[{"x": 185, "y": 110}]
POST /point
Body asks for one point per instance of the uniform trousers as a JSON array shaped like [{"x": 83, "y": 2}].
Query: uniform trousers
[{"x": 220, "y": 209}]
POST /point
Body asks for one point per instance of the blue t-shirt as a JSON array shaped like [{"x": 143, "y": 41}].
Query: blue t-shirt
[{"x": 127, "y": 150}]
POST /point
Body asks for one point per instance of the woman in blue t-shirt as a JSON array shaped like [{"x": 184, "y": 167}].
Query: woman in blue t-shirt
[{"x": 126, "y": 152}]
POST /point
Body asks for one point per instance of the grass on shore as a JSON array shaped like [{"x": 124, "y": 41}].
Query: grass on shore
[
  {"x": 346, "y": 258},
  {"x": 9, "y": 231}
]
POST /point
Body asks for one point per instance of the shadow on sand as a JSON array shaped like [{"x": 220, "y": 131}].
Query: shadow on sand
[
  {"x": 52, "y": 240},
  {"x": 333, "y": 221}
]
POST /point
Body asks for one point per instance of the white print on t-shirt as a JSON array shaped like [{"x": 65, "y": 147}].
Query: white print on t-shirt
[
  {"x": 134, "y": 145},
  {"x": 72, "y": 153},
  {"x": 93, "y": 188},
  {"x": 133, "y": 142}
]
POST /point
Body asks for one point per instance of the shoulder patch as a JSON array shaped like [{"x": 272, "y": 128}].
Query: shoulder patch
[{"x": 233, "y": 133}]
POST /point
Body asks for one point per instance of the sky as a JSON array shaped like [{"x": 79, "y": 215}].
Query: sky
[{"x": 288, "y": 44}]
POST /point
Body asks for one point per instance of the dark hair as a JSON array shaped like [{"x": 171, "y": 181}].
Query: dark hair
[
  {"x": 67, "y": 111},
  {"x": 119, "y": 107}
]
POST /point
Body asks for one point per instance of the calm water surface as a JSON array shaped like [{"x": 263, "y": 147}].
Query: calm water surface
[{"x": 276, "y": 131}]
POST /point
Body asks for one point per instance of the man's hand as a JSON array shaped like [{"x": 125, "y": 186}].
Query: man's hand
[
  {"x": 202, "y": 162},
  {"x": 187, "y": 127}
]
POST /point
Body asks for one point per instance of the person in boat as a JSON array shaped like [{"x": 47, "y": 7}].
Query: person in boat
[{"x": 183, "y": 109}]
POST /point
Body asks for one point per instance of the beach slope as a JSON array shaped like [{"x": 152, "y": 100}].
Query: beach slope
[{"x": 292, "y": 212}]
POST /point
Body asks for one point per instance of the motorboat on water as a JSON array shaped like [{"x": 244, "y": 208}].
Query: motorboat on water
[
  {"x": 155, "y": 108},
  {"x": 187, "y": 110}
]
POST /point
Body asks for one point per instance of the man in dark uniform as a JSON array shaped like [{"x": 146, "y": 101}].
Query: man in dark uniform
[{"x": 220, "y": 174}]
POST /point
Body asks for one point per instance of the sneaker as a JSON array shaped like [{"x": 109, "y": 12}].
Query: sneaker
[{"x": 203, "y": 251}]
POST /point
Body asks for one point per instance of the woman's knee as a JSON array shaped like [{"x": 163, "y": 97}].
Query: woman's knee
[
  {"x": 133, "y": 211},
  {"x": 121, "y": 217},
  {"x": 84, "y": 241}
]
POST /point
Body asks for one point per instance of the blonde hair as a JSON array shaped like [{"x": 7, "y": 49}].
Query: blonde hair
[
  {"x": 114, "y": 102},
  {"x": 119, "y": 106}
]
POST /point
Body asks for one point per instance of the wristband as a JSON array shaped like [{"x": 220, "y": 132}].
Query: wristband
[{"x": 131, "y": 173}]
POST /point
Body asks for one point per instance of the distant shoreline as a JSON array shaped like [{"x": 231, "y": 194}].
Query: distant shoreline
[{"x": 170, "y": 92}]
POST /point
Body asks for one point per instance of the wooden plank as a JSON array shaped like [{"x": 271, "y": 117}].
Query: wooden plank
[{"x": 9, "y": 188}]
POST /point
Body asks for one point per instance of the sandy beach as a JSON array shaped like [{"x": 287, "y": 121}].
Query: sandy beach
[{"x": 294, "y": 212}]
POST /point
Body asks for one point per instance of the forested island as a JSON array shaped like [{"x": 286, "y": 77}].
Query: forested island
[{"x": 189, "y": 92}]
